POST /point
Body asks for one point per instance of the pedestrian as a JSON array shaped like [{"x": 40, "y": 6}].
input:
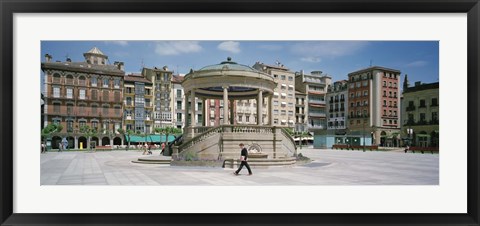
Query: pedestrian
[
  {"x": 163, "y": 148},
  {"x": 43, "y": 148},
  {"x": 144, "y": 148},
  {"x": 243, "y": 159},
  {"x": 60, "y": 147},
  {"x": 150, "y": 148}
]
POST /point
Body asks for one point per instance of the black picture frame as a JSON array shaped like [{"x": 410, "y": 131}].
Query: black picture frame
[{"x": 10, "y": 7}]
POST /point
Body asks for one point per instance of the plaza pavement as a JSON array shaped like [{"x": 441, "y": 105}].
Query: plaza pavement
[{"x": 330, "y": 167}]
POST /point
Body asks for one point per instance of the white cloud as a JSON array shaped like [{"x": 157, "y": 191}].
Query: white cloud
[
  {"x": 177, "y": 47},
  {"x": 118, "y": 42},
  {"x": 311, "y": 59},
  {"x": 329, "y": 49},
  {"x": 418, "y": 63},
  {"x": 229, "y": 46}
]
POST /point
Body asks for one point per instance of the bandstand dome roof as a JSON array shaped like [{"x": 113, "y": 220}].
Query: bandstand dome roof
[
  {"x": 228, "y": 65},
  {"x": 241, "y": 81}
]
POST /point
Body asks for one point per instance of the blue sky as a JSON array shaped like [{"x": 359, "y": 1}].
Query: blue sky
[{"x": 418, "y": 59}]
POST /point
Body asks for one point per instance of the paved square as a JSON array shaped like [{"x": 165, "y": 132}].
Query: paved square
[{"x": 330, "y": 167}]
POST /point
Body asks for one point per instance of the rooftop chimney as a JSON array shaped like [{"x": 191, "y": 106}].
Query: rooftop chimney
[
  {"x": 48, "y": 57},
  {"x": 68, "y": 59},
  {"x": 165, "y": 68},
  {"x": 121, "y": 66}
]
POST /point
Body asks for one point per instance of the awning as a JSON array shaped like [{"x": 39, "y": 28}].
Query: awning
[
  {"x": 284, "y": 121},
  {"x": 150, "y": 138},
  {"x": 284, "y": 103},
  {"x": 291, "y": 86},
  {"x": 291, "y": 121},
  {"x": 423, "y": 135},
  {"x": 284, "y": 94},
  {"x": 275, "y": 93},
  {"x": 284, "y": 85}
]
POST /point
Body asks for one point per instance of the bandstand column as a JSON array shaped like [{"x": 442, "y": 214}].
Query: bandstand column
[
  {"x": 225, "y": 105},
  {"x": 232, "y": 117},
  {"x": 185, "y": 100},
  {"x": 260, "y": 108},
  {"x": 204, "y": 112},
  {"x": 270, "y": 113},
  {"x": 192, "y": 111}
]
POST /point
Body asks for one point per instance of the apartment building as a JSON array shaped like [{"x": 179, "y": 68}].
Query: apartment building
[
  {"x": 337, "y": 107},
  {"x": 88, "y": 93},
  {"x": 138, "y": 105},
  {"x": 284, "y": 95},
  {"x": 161, "y": 79},
  {"x": 420, "y": 107},
  {"x": 315, "y": 86},
  {"x": 374, "y": 104}
]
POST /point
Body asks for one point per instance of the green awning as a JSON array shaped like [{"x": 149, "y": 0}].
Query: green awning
[
  {"x": 150, "y": 138},
  {"x": 423, "y": 135}
]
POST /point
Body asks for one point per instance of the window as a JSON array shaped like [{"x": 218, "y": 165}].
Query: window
[
  {"x": 82, "y": 94},
  {"x": 435, "y": 117},
  {"x": 290, "y": 112},
  {"x": 390, "y": 94},
  {"x": 69, "y": 109},
  {"x": 395, "y": 94},
  {"x": 352, "y": 95},
  {"x": 365, "y": 103},
  {"x": 56, "y": 91},
  {"x": 179, "y": 117},
  {"x": 129, "y": 101},
  {"x": 94, "y": 125},
  {"x": 395, "y": 104},
  {"x": 56, "y": 107},
  {"x": 105, "y": 110},
  {"x": 290, "y": 78},
  {"x": 179, "y": 93},
  {"x": 390, "y": 84},
  {"x": 290, "y": 104},
  {"x": 384, "y": 103},
  {"x": 179, "y": 105},
  {"x": 165, "y": 77},
  {"x": 434, "y": 102},
  {"x": 365, "y": 93},
  {"x": 282, "y": 77},
  {"x": 422, "y": 103},
  {"x": 394, "y": 113},
  {"x": 384, "y": 93},
  {"x": 105, "y": 95},
  {"x": 117, "y": 96},
  {"x": 384, "y": 84},
  {"x": 70, "y": 126},
  {"x": 352, "y": 86},
  {"x": 94, "y": 110},
  {"x": 247, "y": 118},
  {"x": 365, "y": 83},
  {"x": 395, "y": 84},
  {"x": 422, "y": 117},
  {"x": 290, "y": 95},
  {"x": 69, "y": 93},
  {"x": 105, "y": 82},
  {"x": 275, "y": 112},
  {"x": 352, "y": 104},
  {"x": 117, "y": 83},
  {"x": 117, "y": 111},
  {"x": 384, "y": 112},
  {"x": 358, "y": 84},
  {"x": 283, "y": 112}
]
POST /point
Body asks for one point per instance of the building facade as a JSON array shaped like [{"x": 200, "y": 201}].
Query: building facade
[
  {"x": 284, "y": 94},
  {"x": 337, "y": 107},
  {"x": 88, "y": 93},
  {"x": 138, "y": 105},
  {"x": 161, "y": 79},
  {"x": 420, "y": 108},
  {"x": 315, "y": 86},
  {"x": 374, "y": 104},
  {"x": 300, "y": 113}
]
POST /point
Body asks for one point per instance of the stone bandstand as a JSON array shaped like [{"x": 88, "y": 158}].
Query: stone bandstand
[{"x": 229, "y": 81}]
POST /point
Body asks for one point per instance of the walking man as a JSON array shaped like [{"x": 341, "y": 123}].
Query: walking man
[{"x": 243, "y": 159}]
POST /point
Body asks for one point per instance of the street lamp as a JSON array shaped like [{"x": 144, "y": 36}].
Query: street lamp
[{"x": 335, "y": 131}]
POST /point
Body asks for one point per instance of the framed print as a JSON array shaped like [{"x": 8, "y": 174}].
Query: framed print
[{"x": 150, "y": 110}]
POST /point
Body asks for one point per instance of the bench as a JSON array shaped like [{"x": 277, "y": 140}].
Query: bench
[{"x": 422, "y": 149}]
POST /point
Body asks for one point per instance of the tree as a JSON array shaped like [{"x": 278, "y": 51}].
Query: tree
[
  {"x": 88, "y": 132},
  {"x": 128, "y": 133},
  {"x": 50, "y": 130},
  {"x": 167, "y": 131}
]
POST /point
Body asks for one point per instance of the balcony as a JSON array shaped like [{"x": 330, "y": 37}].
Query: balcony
[
  {"x": 422, "y": 106},
  {"x": 317, "y": 114},
  {"x": 316, "y": 101}
]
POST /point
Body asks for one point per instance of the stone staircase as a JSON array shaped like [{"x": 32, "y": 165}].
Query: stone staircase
[{"x": 222, "y": 143}]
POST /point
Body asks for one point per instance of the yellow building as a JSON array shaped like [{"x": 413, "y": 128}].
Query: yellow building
[{"x": 420, "y": 114}]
